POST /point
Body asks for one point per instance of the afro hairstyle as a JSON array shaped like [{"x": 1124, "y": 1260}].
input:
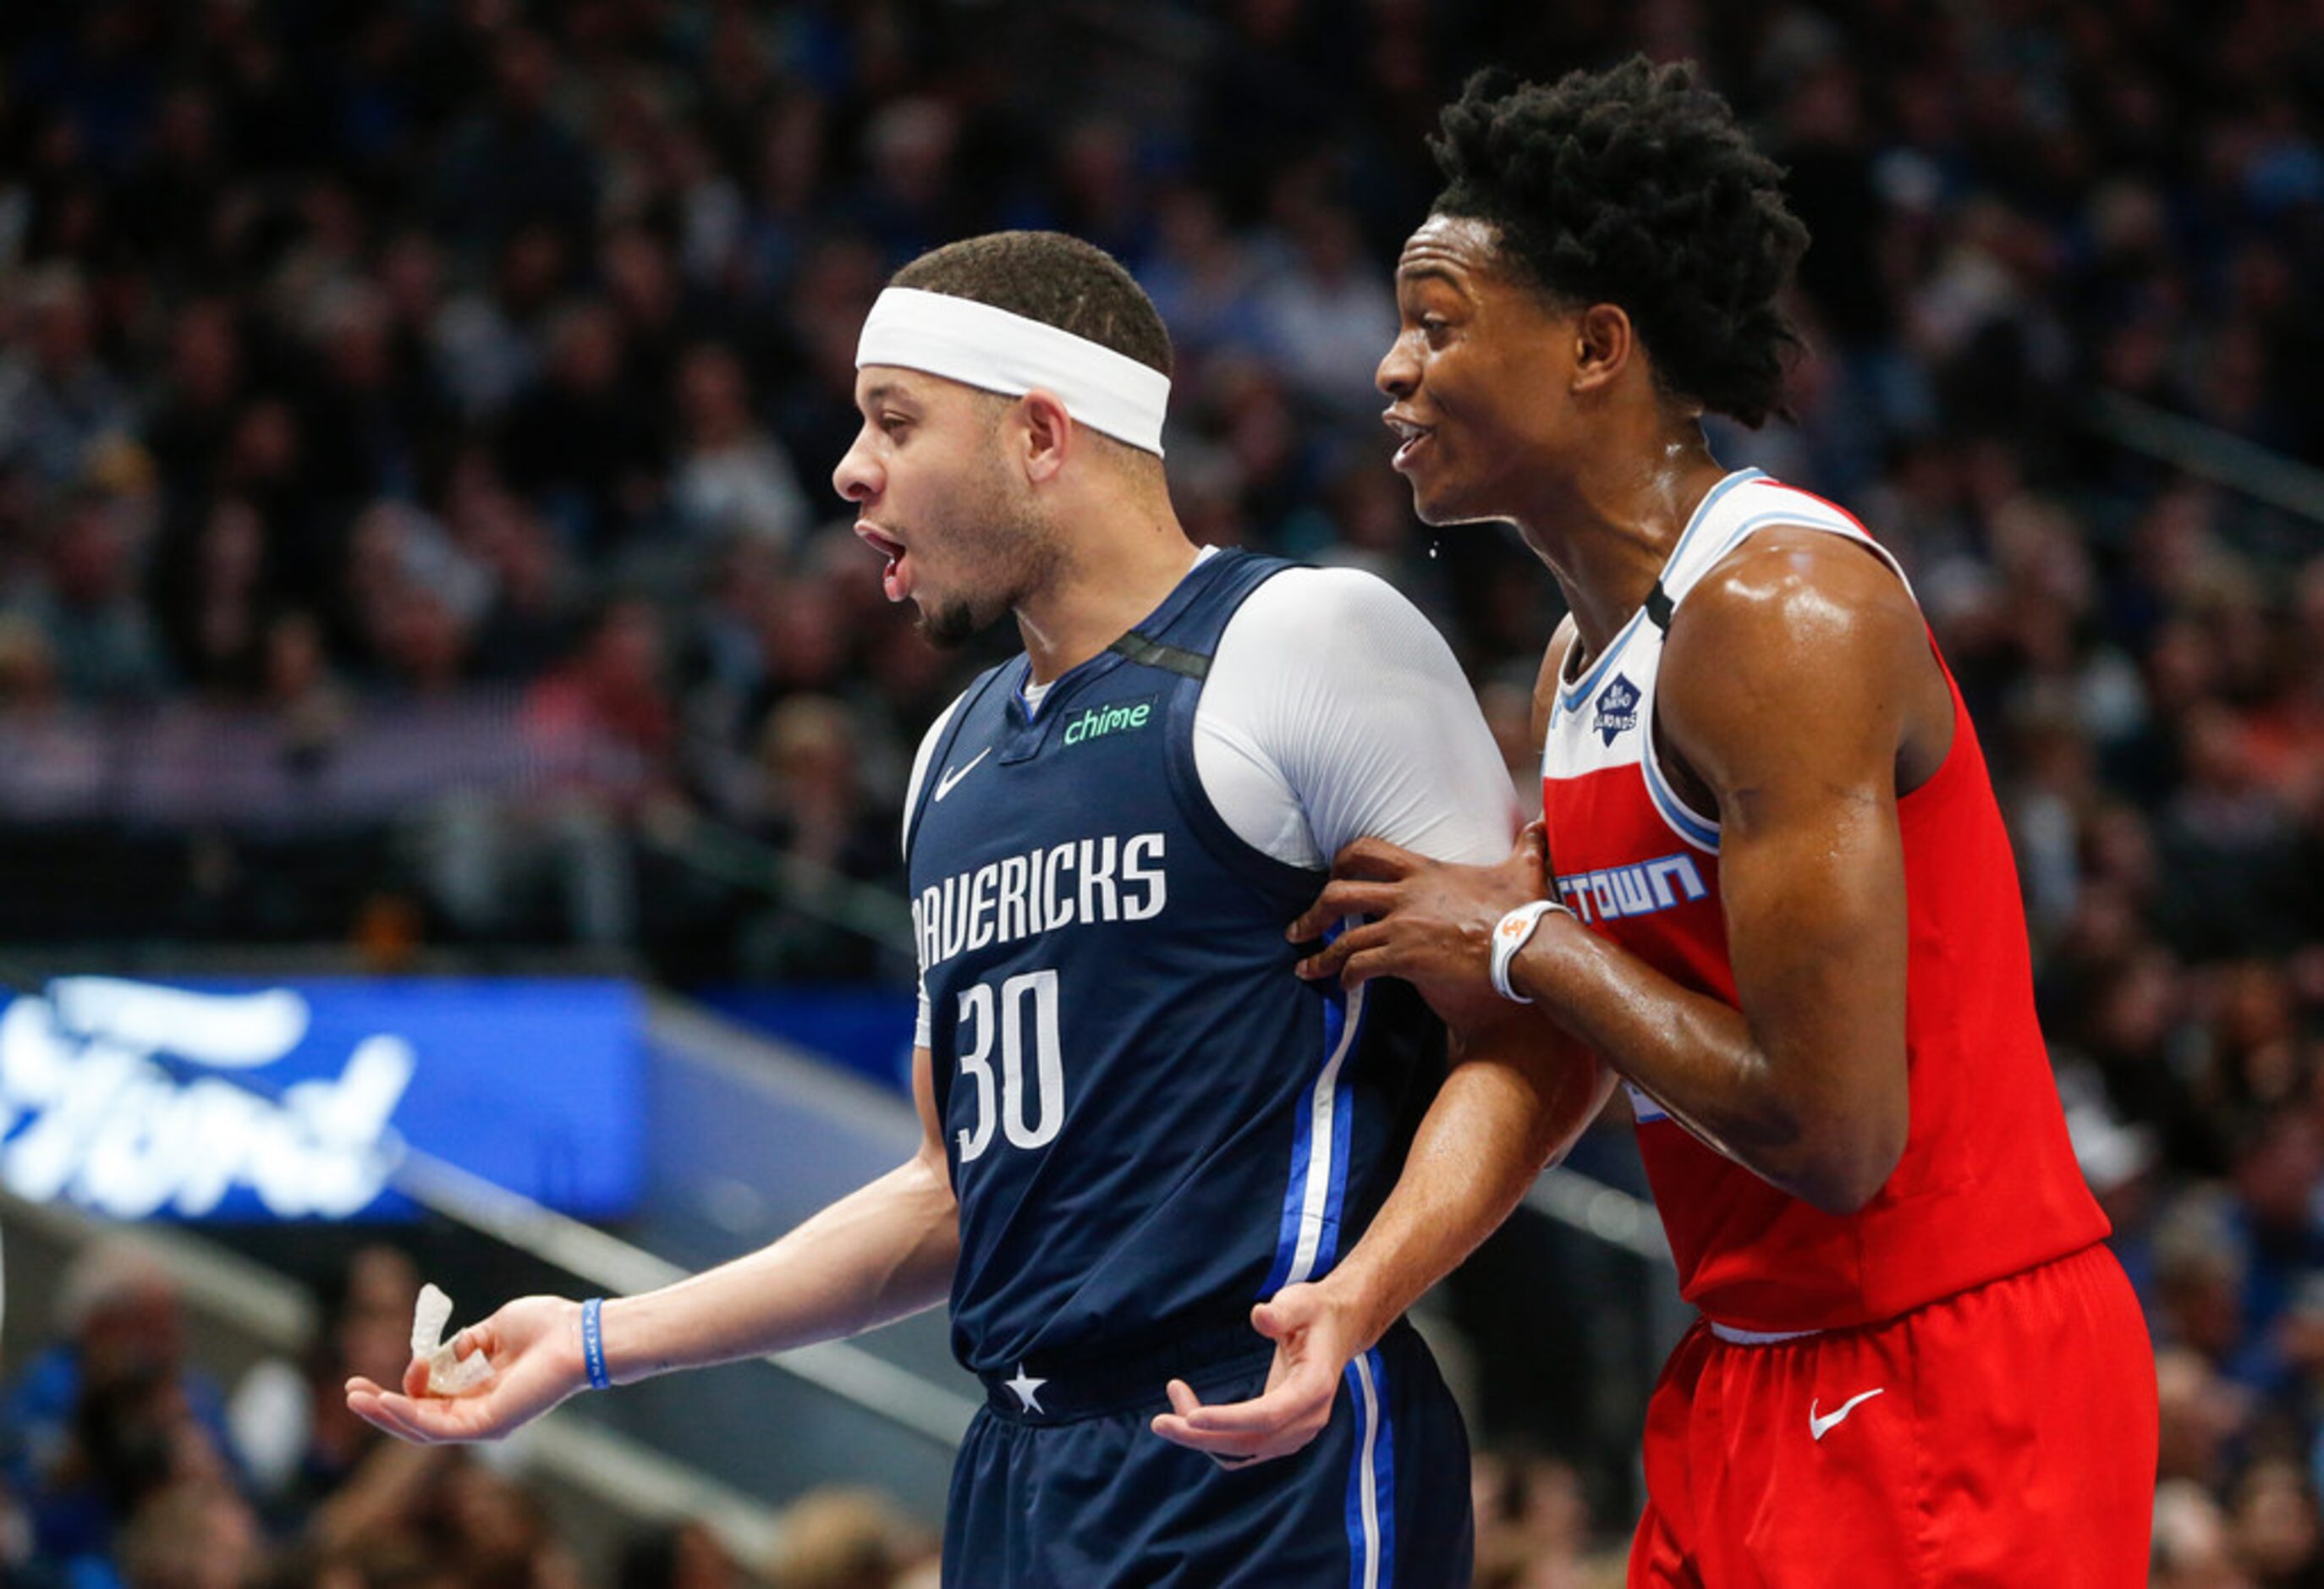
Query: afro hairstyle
[{"x": 1635, "y": 186}]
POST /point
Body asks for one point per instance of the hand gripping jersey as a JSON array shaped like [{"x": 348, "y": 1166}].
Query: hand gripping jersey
[
  {"x": 1988, "y": 1185},
  {"x": 1152, "y": 1123}
]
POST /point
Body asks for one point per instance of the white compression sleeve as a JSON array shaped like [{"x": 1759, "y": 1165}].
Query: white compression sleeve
[{"x": 1335, "y": 711}]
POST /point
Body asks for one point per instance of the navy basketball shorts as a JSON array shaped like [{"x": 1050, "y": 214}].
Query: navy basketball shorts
[{"x": 1083, "y": 1494}]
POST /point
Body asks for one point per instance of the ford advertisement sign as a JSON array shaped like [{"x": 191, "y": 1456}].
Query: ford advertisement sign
[{"x": 209, "y": 1099}]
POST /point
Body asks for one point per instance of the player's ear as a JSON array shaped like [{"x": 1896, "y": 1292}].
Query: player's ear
[
  {"x": 1047, "y": 434},
  {"x": 1603, "y": 343}
]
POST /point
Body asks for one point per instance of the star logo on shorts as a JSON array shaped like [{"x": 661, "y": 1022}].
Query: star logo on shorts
[{"x": 1025, "y": 1384}]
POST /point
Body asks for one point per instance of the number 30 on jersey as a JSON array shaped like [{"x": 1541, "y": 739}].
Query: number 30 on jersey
[{"x": 986, "y": 1012}]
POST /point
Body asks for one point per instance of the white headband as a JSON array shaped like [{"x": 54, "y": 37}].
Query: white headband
[{"x": 996, "y": 351}]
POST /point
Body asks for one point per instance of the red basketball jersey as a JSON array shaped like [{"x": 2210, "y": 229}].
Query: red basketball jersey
[{"x": 1988, "y": 1185}]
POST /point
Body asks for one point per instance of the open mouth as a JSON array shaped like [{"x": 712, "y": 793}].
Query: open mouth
[
  {"x": 895, "y": 579},
  {"x": 1410, "y": 439}
]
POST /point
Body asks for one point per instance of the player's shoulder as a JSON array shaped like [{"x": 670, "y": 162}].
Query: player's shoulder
[
  {"x": 1795, "y": 633},
  {"x": 1790, "y": 590},
  {"x": 1307, "y": 611}
]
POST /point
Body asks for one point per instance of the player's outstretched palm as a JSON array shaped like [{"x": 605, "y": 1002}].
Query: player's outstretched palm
[
  {"x": 534, "y": 1346},
  {"x": 1312, "y": 1347}
]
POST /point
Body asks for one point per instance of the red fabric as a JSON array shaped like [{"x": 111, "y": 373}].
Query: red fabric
[
  {"x": 1988, "y": 1185},
  {"x": 2013, "y": 1442}
]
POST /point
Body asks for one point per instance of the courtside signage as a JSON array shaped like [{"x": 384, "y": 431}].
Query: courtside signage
[{"x": 298, "y": 1100}]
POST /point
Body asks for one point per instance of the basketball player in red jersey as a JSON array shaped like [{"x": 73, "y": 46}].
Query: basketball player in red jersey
[{"x": 1783, "y": 904}]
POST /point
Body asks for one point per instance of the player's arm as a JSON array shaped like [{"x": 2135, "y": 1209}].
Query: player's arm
[
  {"x": 1517, "y": 1093},
  {"x": 884, "y": 1251},
  {"x": 1795, "y": 680}
]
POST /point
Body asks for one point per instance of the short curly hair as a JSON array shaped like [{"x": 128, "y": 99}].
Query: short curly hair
[
  {"x": 1635, "y": 186},
  {"x": 1052, "y": 278}
]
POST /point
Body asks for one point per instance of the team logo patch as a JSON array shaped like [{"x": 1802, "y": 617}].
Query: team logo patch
[{"x": 1617, "y": 709}]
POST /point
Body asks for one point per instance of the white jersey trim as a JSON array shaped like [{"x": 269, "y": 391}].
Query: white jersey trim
[{"x": 1621, "y": 732}]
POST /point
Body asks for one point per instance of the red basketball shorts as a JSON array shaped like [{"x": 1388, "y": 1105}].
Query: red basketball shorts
[{"x": 2002, "y": 1437}]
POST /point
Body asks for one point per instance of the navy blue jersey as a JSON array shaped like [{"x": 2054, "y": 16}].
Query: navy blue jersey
[{"x": 1152, "y": 1122}]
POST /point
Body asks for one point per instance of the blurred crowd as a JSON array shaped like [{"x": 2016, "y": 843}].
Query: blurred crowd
[
  {"x": 128, "y": 1462},
  {"x": 466, "y": 362},
  {"x": 125, "y": 1464}
]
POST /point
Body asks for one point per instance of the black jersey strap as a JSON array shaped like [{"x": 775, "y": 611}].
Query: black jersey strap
[{"x": 1170, "y": 658}]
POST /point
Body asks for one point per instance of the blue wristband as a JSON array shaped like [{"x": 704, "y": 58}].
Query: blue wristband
[{"x": 592, "y": 1344}]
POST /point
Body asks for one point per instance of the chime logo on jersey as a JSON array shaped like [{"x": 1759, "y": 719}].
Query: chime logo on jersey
[
  {"x": 1118, "y": 717},
  {"x": 1617, "y": 709}
]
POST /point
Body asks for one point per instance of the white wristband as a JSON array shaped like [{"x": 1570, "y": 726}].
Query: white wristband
[{"x": 1510, "y": 934}]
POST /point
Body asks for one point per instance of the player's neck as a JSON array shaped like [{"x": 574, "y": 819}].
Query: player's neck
[
  {"x": 1114, "y": 567},
  {"x": 1607, "y": 529}
]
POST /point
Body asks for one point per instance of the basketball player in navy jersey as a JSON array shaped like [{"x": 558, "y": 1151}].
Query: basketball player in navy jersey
[{"x": 1159, "y": 1171}]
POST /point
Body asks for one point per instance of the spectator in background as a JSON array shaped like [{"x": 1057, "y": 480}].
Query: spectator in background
[
  {"x": 112, "y": 1411},
  {"x": 57, "y": 398},
  {"x": 729, "y": 477},
  {"x": 488, "y": 343},
  {"x": 605, "y": 718},
  {"x": 302, "y": 1446},
  {"x": 648, "y": 295},
  {"x": 512, "y": 165},
  {"x": 214, "y": 612},
  {"x": 845, "y": 1539},
  {"x": 1533, "y": 1525},
  {"x": 2203, "y": 1420},
  {"x": 193, "y": 1533},
  {"x": 2192, "y": 1547},
  {"x": 191, "y": 408},
  {"x": 681, "y": 1556},
  {"x": 370, "y": 424},
  {"x": 1327, "y": 311},
  {"x": 88, "y": 605},
  {"x": 313, "y": 709},
  {"x": 1203, "y": 279},
  {"x": 580, "y": 442},
  {"x": 528, "y": 621},
  {"x": 909, "y": 203},
  {"x": 601, "y": 732},
  {"x": 838, "y": 280},
  {"x": 812, "y": 807},
  {"x": 415, "y": 599},
  {"x": 2272, "y": 1516},
  {"x": 52, "y": 758}
]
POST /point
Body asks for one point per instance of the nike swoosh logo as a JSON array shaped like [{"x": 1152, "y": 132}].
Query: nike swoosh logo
[
  {"x": 954, "y": 775},
  {"x": 1818, "y": 1428}
]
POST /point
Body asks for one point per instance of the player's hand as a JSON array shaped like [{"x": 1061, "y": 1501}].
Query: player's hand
[
  {"x": 534, "y": 1346},
  {"x": 1431, "y": 921},
  {"x": 1312, "y": 1345}
]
